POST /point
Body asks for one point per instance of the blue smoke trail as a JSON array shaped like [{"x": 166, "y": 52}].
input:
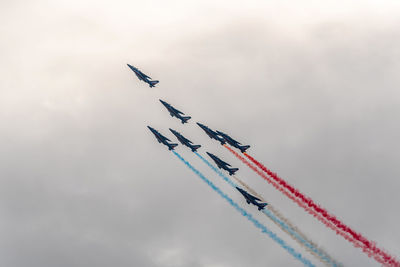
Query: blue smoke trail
[
  {"x": 259, "y": 225},
  {"x": 282, "y": 224}
]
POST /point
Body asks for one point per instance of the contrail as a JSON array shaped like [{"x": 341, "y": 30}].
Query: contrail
[
  {"x": 327, "y": 223},
  {"x": 259, "y": 225},
  {"x": 330, "y": 221},
  {"x": 323, "y": 256},
  {"x": 390, "y": 260}
]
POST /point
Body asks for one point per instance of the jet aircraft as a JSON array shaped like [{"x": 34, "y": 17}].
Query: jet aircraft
[
  {"x": 252, "y": 199},
  {"x": 184, "y": 141},
  {"x": 142, "y": 76},
  {"x": 233, "y": 142},
  {"x": 162, "y": 139},
  {"x": 222, "y": 164},
  {"x": 211, "y": 133},
  {"x": 175, "y": 113}
]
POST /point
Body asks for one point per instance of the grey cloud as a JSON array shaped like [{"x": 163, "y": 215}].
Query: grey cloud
[{"x": 84, "y": 183}]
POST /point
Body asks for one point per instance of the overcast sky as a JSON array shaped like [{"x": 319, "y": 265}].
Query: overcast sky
[{"x": 312, "y": 86}]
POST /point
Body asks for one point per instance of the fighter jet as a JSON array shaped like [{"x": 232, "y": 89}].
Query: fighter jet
[
  {"x": 211, "y": 133},
  {"x": 233, "y": 142},
  {"x": 175, "y": 113},
  {"x": 162, "y": 139},
  {"x": 252, "y": 199},
  {"x": 142, "y": 76},
  {"x": 185, "y": 141},
  {"x": 222, "y": 164}
]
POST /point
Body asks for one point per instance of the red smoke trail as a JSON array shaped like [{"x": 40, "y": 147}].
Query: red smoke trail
[
  {"x": 345, "y": 235},
  {"x": 387, "y": 259},
  {"x": 286, "y": 193}
]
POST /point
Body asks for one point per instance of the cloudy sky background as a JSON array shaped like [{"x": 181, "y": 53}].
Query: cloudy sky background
[{"x": 313, "y": 87}]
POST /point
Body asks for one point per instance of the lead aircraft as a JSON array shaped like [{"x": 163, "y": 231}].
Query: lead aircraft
[{"x": 143, "y": 77}]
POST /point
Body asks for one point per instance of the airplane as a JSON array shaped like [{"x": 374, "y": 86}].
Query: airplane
[
  {"x": 142, "y": 76},
  {"x": 162, "y": 139},
  {"x": 184, "y": 141},
  {"x": 175, "y": 113},
  {"x": 211, "y": 133},
  {"x": 233, "y": 142},
  {"x": 252, "y": 199},
  {"x": 222, "y": 164}
]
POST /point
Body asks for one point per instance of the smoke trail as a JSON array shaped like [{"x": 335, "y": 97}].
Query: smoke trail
[
  {"x": 390, "y": 260},
  {"x": 327, "y": 223},
  {"x": 259, "y": 225},
  {"x": 290, "y": 231},
  {"x": 324, "y": 257}
]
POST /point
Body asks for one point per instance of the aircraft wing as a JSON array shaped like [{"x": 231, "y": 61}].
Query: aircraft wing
[
  {"x": 175, "y": 110},
  {"x": 251, "y": 197},
  {"x": 144, "y": 75},
  {"x": 187, "y": 140},
  {"x": 165, "y": 138},
  {"x": 139, "y": 77},
  {"x": 223, "y": 162},
  {"x": 255, "y": 198}
]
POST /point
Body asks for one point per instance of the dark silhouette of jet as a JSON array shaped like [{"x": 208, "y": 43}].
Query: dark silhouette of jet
[
  {"x": 162, "y": 139},
  {"x": 142, "y": 76},
  {"x": 174, "y": 112},
  {"x": 222, "y": 164},
  {"x": 184, "y": 141},
  {"x": 233, "y": 142},
  {"x": 252, "y": 199},
  {"x": 211, "y": 133}
]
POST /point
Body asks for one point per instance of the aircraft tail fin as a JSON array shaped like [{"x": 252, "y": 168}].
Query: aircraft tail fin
[
  {"x": 195, "y": 147},
  {"x": 171, "y": 146},
  {"x": 233, "y": 170},
  {"x": 153, "y": 83},
  {"x": 243, "y": 148},
  {"x": 261, "y": 206},
  {"x": 185, "y": 119}
]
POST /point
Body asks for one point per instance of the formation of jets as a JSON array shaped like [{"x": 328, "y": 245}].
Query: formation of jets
[{"x": 216, "y": 135}]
